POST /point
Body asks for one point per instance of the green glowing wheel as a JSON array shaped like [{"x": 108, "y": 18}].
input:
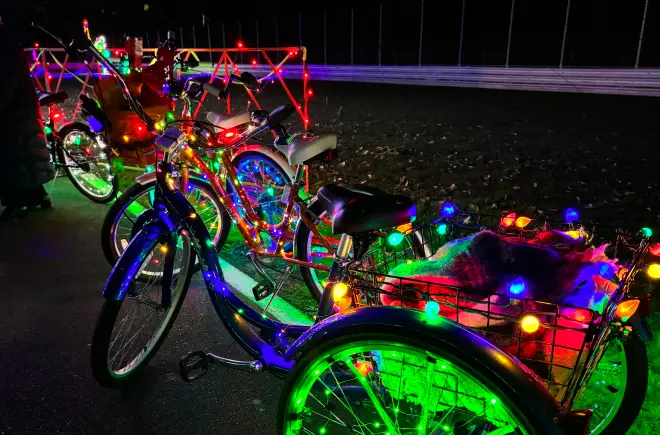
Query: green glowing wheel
[
  {"x": 616, "y": 390},
  {"x": 387, "y": 384},
  {"x": 123, "y": 219},
  {"x": 86, "y": 163}
]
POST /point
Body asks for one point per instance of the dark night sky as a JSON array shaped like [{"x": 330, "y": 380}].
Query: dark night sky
[{"x": 600, "y": 32}]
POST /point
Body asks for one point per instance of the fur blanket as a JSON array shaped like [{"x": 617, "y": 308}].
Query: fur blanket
[{"x": 486, "y": 272}]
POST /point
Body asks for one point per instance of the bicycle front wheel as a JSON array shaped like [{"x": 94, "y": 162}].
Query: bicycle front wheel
[
  {"x": 376, "y": 383},
  {"x": 130, "y": 331}
]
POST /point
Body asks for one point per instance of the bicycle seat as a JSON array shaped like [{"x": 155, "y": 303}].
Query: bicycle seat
[
  {"x": 228, "y": 121},
  {"x": 355, "y": 208},
  {"x": 48, "y": 98},
  {"x": 301, "y": 150}
]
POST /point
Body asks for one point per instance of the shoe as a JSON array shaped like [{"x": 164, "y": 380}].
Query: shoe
[{"x": 46, "y": 203}]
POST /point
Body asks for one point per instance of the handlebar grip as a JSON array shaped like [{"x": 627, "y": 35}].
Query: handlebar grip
[
  {"x": 278, "y": 115},
  {"x": 213, "y": 90}
]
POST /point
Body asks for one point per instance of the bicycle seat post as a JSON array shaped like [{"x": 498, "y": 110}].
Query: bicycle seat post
[{"x": 337, "y": 271}]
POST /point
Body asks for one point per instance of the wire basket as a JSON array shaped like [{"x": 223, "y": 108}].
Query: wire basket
[{"x": 562, "y": 344}]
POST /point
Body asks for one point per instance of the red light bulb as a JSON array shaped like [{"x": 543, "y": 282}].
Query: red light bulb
[
  {"x": 240, "y": 44},
  {"x": 309, "y": 92},
  {"x": 36, "y": 45},
  {"x": 254, "y": 61},
  {"x": 655, "y": 249}
]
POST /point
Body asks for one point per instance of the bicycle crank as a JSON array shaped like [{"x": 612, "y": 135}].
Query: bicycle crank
[{"x": 195, "y": 365}]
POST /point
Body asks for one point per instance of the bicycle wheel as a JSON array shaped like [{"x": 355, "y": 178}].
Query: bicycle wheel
[
  {"x": 390, "y": 383},
  {"x": 126, "y": 215},
  {"x": 130, "y": 331},
  {"x": 86, "y": 163},
  {"x": 616, "y": 390},
  {"x": 265, "y": 183},
  {"x": 379, "y": 257}
]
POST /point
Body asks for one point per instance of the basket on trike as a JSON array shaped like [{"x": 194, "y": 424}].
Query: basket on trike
[{"x": 589, "y": 355}]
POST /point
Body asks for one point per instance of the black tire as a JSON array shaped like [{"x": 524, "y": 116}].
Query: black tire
[
  {"x": 61, "y": 156},
  {"x": 137, "y": 190},
  {"x": 108, "y": 317},
  {"x": 301, "y": 246},
  {"x": 637, "y": 375},
  {"x": 536, "y": 423}
]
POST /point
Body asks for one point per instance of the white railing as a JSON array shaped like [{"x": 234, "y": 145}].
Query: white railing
[{"x": 645, "y": 82}]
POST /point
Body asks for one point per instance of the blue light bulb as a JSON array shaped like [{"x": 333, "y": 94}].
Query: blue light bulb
[
  {"x": 571, "y": 215},
  {"x": 448, "y": 209},
  {"x": 517, "y": 286}
]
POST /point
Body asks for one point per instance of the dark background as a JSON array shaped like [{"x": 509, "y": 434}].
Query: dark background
[{"x": 599, "y": 33}]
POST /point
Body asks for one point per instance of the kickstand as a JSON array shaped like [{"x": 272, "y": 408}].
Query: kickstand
[{"x": 279, "y": 286}]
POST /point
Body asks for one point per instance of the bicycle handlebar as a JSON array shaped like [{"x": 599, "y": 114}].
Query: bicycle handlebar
[{"x": 78, "y": 47}]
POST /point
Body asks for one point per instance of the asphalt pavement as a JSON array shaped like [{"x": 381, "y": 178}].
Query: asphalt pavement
[{"x": 52, "y": 271}]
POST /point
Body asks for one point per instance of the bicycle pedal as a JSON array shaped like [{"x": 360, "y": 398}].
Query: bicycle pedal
[
  {"x": 193, "y": 366},
  {"x": 262, "y": 290}
]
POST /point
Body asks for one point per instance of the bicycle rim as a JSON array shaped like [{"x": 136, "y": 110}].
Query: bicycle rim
[
  {"x": 141, "y": 309},
  {"x": 604, "y": 393},
  {"x": 128, "y": 221},
  {"x": 383, "y": 387},
  {"x": 265, "y": 184},
  {"x": 79, "y": 149},
  {"x": 378, "y": 257}
]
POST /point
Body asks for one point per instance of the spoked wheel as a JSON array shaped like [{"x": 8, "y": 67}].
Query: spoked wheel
[
  {"x": 380, "y": 256},
  {"x": 616, "y": 390},
  {"x": 127, "y": 215},
  {"x": 130, "y": 331},
  {"x": 382, "y": 384},
  {"x": 86, "y": 163},
  {"x": 265, "y": 183}
]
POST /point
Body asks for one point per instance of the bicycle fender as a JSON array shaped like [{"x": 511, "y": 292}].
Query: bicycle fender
[
  {"x": 641, "y": 327},
  {"x": 146, "y": 178},
  {"x": 128, "y": 265},
  {"x": 473, "y": 348},
  {"x": 277, "y": 157}
]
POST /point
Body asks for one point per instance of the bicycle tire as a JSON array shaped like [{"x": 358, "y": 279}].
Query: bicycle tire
[
  {"x": 240, "y": 158},
  {"x": 637, "y": 375},
  {"x": 110, "y": 310},
  {"x": 301, "y": 250},
  {"x": 61, "y": 156},
  {"x": 536, "y": 422},
  {"x": 108, "y": 242}
]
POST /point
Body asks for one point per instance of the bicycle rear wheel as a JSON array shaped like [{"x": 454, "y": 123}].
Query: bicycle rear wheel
[
  {"x": 377, "y": 383},
  {"x": 86, "y": 163},
  {"x": 129, "y": 331},
  {"x": 379, "y": 257}
]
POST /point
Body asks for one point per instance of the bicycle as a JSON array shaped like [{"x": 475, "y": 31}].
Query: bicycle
[
  {"x": 123, "y": 218},
  {"x": 78, "y": 149},
  {"x": 257, "y": 192},
  {"x": 340, "y": 371}
]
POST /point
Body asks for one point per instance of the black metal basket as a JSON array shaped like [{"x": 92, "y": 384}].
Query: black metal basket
[{"x": 569, "y": 342}]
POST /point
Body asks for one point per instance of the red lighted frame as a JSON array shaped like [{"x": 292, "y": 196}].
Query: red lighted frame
[{"x": 40, "y": 57}]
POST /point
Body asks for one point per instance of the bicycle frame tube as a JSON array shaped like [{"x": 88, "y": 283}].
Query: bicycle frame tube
[
  {"x": 249, "y": 228},
  {"x": 227, "y": 304}
]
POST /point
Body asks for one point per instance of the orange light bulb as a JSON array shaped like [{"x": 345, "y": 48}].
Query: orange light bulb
[
  {"x": 522, "y": 222},
  {"x": 508, "y": 220},
  {"x": 627, "y": 309}
]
